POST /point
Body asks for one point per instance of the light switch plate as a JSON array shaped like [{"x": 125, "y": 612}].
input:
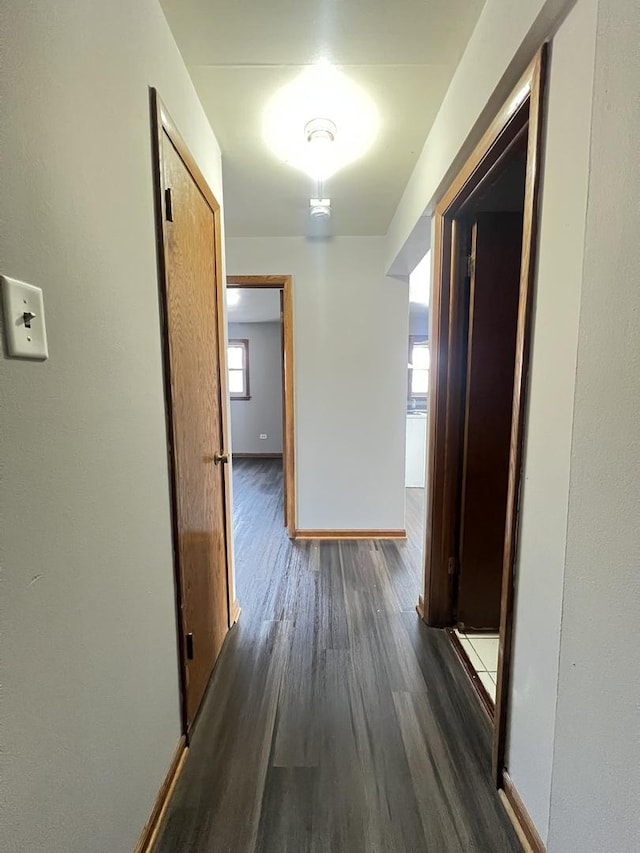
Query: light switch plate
[{"x": 23, "y": 308}]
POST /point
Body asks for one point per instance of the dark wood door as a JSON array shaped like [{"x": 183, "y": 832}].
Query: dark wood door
[
  {"x": 196, "y": 424},
  {"x": 493, "y": 316}
]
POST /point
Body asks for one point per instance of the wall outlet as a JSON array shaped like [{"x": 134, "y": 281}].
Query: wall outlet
[{"x": 263, "y": 435}]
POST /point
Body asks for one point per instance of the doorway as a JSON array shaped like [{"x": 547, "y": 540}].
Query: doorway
[
  {"x": 417, "y": 383},
  {"x": 484, "y": 249},
  {"x": 260, "y": 362},
  {"x": 191, "y": 297}
]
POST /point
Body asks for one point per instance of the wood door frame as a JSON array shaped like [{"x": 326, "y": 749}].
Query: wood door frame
[
  {"x": 521, "y": 113},
  {"x": 162, "y": 123},
  {"x": 283, "y": 283}
]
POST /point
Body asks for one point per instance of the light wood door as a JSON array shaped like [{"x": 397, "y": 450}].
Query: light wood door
[
  {"x": 493, "y": 317},
  {"x": 196, "y": 423}
]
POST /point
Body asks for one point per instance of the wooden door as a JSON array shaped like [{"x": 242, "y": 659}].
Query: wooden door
[
  {"x": 196, "y": 422},
  {"x": 493, "y": 318}
]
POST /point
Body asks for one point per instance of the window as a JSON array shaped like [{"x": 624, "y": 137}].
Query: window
[
  {"x": 238, "y": 366},
  {"x": 419, "y": 362}
]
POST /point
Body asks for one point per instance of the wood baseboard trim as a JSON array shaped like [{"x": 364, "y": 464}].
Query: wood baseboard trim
[
  {"x": 337, "y": 535},
  {"x": 256, "y": 455},
  {"x": 519, "y": 817},
  {"x": 151, "y": 828}
]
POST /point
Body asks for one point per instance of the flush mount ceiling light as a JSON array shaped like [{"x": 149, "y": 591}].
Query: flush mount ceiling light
[
  {"x": 320, "y": 122},
  {"x": 320, "y": 208}
]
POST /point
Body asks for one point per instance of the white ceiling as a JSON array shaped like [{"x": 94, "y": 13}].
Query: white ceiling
[
  {"x": 254, "y": 306},
  {"x": 239, "y": 52}
]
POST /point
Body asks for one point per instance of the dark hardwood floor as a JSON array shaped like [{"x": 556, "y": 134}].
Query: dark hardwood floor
[
  {"x": 413, "y": 550},
  {"x": 336, "y": 721}
]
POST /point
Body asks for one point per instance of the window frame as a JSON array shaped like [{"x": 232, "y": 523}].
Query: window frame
[
  {"x": 243, "y": 344},
  {"x": 415, "y": 340}
]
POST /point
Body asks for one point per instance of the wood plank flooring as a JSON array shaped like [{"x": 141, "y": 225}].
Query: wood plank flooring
[
  {"x": 336, "y": 721},
  {"x": 412, "y": 554}
]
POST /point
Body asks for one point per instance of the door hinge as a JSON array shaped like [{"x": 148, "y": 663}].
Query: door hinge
[
  {"x": 451, "y": 566},
  {"x": 168, "y": 204},
  {"x": 471, "y": 265},
  {"x": 189, "y": 644}
]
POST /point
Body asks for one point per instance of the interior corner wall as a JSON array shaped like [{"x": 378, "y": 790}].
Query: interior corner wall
[
  {"x": 350, "y": 342},
  {"x": 262, "y": 414},
  {"x": 549, "y": 419},
  {"x": 90, "y": 708},
  {"x": 596, "y": 765}
]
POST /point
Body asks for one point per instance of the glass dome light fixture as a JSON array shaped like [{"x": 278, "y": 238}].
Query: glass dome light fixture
[{"x": 320, "y": 122}]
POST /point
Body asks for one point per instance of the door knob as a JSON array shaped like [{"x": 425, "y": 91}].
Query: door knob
[{"x": 220, "y": 456}]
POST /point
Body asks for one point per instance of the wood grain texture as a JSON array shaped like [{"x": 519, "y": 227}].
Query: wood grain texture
[
  {"x": 523, "y": 345},
  {"x": 166, "y": 138},
  {"x": 283, "y": 283},
  {"x": 531, "y": 841},
  {"x": 335, "y": 720},
  {"x": 445, "y": 420},
  {"x": 233, "y": 605},
  {"x": 161, "y": 803},
  {"x": 196, "y": 402},
  {"x": 336, "y": 535}
]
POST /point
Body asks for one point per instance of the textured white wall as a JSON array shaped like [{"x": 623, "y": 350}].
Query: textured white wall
[
  {"x": 350, "y": 340},
  {"x": 90, "y": 713},
  {"x": 263, "y": 412},
  {"x": 596, "y": 768},
  {"x": 545, "y": 486}
]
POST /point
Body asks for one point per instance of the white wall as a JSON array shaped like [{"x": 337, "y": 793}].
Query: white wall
[
  {"x": 545, "y": 485},
  {"x": 262, "y": 414},
  {"x": 596, "y": 772},
  {"x": 350, "y": 342},
  {"x": 506, "y": 37},
  {"x": 90, "y": 686}
]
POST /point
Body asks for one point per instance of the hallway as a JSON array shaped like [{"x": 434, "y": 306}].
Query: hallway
[{"x": 335, "y": 720}]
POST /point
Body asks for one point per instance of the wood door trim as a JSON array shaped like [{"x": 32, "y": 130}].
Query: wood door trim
[
  {"x": 522, "y": 108},
  {"x": 284, "y": 283},
  {"x": 523, "y": 347},
  {"x": 151, "y": 828},
  {"x": 162, "y": 123},
  {"x": 519, "y": 816}
]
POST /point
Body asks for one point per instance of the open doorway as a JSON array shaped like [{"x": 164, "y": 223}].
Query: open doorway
[
  {"x": 417, "y": 415},
  {"x": 491, "y": 232},
  {"x": 260, "y": 382},
  {"x": 484, "y": 249}
]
